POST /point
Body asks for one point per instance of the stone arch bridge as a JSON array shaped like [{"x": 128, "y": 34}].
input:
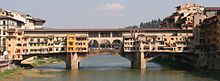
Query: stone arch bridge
[
  {"x": 138, "y": 60},
  {"x": 72, "y": 60}
]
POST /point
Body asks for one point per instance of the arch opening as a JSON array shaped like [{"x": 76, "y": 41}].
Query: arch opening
[
  {"x": 93, "y": 44},
  {"x": 59, "y": 61},
  {"x": 117, "y": 44},
  {"x": 105, "y": 44},
  {"x": 105, "y": 62}
]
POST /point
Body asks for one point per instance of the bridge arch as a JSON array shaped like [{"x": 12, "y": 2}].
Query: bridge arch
[
  {"x": 104, "y": 60},
  {"x": 93, "y": 44},
  {"x": 105, "y": 44},
  {"x": 117, "y": 44}
]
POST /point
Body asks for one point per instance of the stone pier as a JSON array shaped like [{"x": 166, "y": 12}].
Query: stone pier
[
  {"x": 72, "y": 61},
  {"x": 139, "y": 61}
]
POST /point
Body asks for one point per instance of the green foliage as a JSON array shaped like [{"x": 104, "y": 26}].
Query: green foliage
[
  {"x": 9, "y": 71},
  {"x": 40, "y": 62},
  {"x": 150, "y": 24},
  {"x": 134, "y": 26}
]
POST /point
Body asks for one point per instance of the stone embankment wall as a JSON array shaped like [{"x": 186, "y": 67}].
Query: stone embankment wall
[{"x": 4, "y": 64}]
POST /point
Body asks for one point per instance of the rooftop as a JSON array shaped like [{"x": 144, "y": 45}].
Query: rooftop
[
  {"x": 6, "y": 17},
  {"x": 212, "y": 8},
  {"x": 104, "y": 30},
  {"x": 38, "y": 20}
]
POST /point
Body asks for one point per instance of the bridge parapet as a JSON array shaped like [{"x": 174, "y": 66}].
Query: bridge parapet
[{"x": 104, "y": 51}]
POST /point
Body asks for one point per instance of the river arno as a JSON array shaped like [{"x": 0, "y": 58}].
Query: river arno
[{"x": 108, "y": 68}]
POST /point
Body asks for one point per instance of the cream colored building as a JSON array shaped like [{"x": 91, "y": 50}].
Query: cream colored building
[
  {"x": 160, "y": 40},
  {"x": 184, "y": 17},
  {"x": 29, "y": 21},
  {"x": 16, "y": 20}
]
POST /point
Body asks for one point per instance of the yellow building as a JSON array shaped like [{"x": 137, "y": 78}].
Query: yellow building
[{"x": 71, "y": 43}]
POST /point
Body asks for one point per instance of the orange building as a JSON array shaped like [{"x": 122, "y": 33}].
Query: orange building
[{"x": 71, "y": 43}]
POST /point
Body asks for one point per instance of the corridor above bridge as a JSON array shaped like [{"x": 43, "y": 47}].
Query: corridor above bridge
[{"x": 83, "y": 40}]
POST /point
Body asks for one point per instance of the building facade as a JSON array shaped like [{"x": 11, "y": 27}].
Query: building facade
[
  {"x": 184, "y": 16},
  {"x": 208, "y": 48},
  {"x": 85, "y": 40},
  {"x": 16, "y": 20}
]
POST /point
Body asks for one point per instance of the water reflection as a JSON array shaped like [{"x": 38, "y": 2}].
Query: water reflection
[{"x": 105, "y": 62}]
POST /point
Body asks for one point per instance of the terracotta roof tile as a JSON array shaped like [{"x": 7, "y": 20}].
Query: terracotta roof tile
[{"x": 212, "y": 8}]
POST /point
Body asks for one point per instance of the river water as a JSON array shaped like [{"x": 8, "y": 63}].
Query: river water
[{"x": 108, "y": 68}]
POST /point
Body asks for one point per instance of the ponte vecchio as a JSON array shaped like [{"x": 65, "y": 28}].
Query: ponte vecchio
[{"x": 74, "y": 45}]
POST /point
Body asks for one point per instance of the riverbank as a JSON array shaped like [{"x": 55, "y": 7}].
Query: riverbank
[
  {"x": 9, "y": 71},
  {"x": 37, "y": 62}
]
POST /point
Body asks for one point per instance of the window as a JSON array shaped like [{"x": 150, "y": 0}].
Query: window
[
  {"x": 4, "y": 22},
  {"x": 19, "y": 33},
  {"x": 116, "y": 34},
  {"x": 45, "y": 39},
  {"x": 126, "y": 39},
  {"x": 4, "y": 33},
  {"x": 50, "y": 49},
  {"x": 93, "y": 34},
  {"x": 19, "y": 45},
  {"x": 9, "y": 45},
  {"x": 165, "y": 39},
  {"x": 38, "y": 40},
  {"x": 19, "y": 39},
  {"x": 172, "y": 38},
  {"x": 70, "y": 43},
  {"x": 24, "y": 44},
  {"x": 62, "y": 49},
  {"x": 32, "y": 40},
  {"x": 18, "y": 51},
  {"x": 179, "y": 48},
  {"x": 105, "y": 34}
]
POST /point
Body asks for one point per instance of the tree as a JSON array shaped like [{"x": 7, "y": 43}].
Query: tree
[
  {"x": 142, "y": 24},
  {"x": 134, "y": 26}
]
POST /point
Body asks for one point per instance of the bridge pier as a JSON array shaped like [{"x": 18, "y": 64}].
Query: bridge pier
[
  {"x": 138, "y": 62},
  {"x": 72, "y": 61}
]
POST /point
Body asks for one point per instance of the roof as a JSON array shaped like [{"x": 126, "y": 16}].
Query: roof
[
  {"x": 212, "y": 8},
  {"x": 38, "y": 20},
  {"x": 105, "y": 30},
  {"x": 74, "y": 30},
  {"x": 6, "y": 17}
]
